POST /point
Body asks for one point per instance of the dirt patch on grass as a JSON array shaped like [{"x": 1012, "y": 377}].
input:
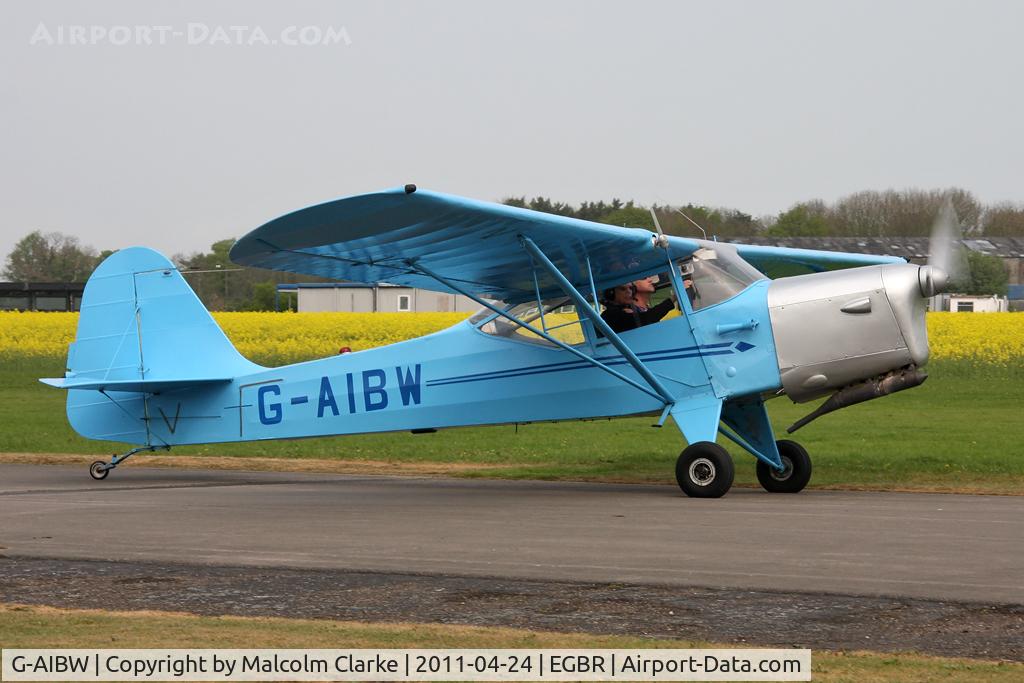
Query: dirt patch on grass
[
  {"x": 450, "y": 469},
  {"x": 745, "y": 618},
  {"x": 211, "y": 462}
]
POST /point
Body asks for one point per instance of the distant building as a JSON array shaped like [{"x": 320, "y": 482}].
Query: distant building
[
  {"x": 353, "y": 297},
  {"x": 1016, "y": 297},
  {"x": 41, "y": 296},
  {"x": 966, "y": 303}
]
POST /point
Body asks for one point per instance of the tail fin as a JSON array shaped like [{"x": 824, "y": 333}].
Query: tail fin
[
  {"x": 141, "y": 322},
  {"x": 141, "y": 330}
]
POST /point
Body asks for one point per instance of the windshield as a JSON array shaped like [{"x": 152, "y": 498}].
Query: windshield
[{"x": 714, "y": 275}]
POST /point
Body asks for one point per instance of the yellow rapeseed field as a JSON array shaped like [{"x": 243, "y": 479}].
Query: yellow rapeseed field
[
  {"x": 986, "y": 337},
  {"x": 275, "y": 338},
  {"x": 996, "y": 338},
  {"x": 293, "y": 337}
]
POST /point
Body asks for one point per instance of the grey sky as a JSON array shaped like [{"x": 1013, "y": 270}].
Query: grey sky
[{"x": 753, "y": 105}]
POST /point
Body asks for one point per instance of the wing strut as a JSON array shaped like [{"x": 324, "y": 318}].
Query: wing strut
[
  {"x": 540, "y": 333},
  {"x": 584, "y": 306}
]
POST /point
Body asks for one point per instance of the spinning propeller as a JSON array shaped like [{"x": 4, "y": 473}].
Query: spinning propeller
[{"x": 946, "y": 262}]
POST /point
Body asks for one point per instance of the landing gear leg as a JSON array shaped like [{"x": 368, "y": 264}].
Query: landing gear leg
[
  {"x": 796, "y": 470},
  {"x": 100, "y": 469},
  {"x": 705, "y": 470}
]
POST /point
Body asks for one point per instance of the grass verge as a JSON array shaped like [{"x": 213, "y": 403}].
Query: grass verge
[
  {"x": 960, "y": 432},
  {"x": 45, "y": 627}
]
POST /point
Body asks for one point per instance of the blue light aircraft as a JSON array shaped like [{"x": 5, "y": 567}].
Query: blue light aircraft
[{"x": 150, "y": 367}]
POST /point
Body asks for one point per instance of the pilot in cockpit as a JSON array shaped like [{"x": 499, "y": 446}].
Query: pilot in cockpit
[
  {"x": 627, "y": 306},
  {"x": 645, "y": 289}
]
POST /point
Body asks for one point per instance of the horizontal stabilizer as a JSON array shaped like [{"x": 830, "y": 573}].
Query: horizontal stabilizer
[{"x": 145, "y": 386}]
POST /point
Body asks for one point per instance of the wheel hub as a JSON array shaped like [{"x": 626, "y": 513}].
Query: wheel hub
[
  {"x": 702, "y": 471},
  {"x": 787, "y": 470}
]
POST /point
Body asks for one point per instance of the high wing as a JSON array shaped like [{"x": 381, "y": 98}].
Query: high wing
[
  {"x": 400, "y": 235},
  {"x": 388, "y": 236},
  {"x": 784, "y": 261}
]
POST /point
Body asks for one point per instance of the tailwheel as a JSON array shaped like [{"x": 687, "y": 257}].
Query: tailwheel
[
  {"x": 796, "y": 469},
  {"x": 99, "y": 470},
  {"x": 705, "y": 470}
]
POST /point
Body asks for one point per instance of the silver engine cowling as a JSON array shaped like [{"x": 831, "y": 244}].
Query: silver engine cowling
[{"x": 837, "y": 328}]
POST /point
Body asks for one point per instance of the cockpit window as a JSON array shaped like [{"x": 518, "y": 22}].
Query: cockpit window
[
  {"x": 717, "y": 275},
  {"x": 710, "y": 275}
]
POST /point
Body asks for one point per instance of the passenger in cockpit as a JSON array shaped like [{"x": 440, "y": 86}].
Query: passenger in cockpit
[{"x": 627, "y": 306}]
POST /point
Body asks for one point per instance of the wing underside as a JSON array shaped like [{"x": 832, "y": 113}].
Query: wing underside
[
  {"x": 405, "y": 236},
  {"x": 395, "y": 236}
]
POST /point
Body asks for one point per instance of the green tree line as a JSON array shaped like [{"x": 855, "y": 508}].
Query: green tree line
[{"x": 887, "y": 213}]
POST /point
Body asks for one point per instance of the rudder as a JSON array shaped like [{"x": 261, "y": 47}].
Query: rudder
[
  {"x": 141, "y": 328},
  {"x": 138, "y": 320}
]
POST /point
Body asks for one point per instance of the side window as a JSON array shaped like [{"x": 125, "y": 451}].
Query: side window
[
  {"x": 557, "y": 317},
  {"x": 561, "y": 322},
  {"x": 404, "y": 303}
]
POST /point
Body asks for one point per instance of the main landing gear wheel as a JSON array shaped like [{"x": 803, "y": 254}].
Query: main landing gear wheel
[
  {"x": 99, "y": 470},
  {"x": 705, "y": 470},
  {"x": 794, "y": 477}
]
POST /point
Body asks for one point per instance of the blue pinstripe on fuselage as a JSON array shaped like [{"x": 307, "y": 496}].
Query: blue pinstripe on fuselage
[{"x": 647, "y": 356}]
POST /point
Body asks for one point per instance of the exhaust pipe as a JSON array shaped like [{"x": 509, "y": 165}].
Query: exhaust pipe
[{"x": 907, "y": 378}]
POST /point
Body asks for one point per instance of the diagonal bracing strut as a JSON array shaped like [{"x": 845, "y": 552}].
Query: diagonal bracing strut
[
  {"x": 540, "y": 333},
  {"x": 584, "y": 306}
]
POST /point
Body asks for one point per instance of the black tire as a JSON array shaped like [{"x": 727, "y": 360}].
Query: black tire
[
  {"x": 796, "y": 475},
  {"x": 705, "y": 470},
  {"x": 99, "y": 470}
]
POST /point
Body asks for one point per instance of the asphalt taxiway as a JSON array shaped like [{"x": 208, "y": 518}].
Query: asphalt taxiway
[{"x": 922, "y": 546}]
